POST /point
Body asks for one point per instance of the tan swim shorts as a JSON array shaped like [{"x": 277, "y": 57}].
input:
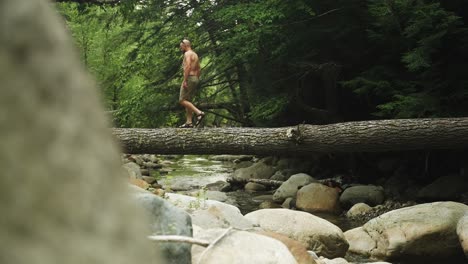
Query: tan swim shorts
[{"x": 188, "y": 92}]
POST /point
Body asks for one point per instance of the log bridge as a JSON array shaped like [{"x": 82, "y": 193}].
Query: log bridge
[{"x": 362, "y": 136}]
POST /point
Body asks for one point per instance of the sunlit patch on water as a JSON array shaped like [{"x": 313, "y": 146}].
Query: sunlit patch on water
[{"x": 193, "y": 172}]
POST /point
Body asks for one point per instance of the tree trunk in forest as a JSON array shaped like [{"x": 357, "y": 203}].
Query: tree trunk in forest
[{"x": 364, "y": 136}]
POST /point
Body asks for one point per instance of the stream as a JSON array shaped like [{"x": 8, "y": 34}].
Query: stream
[{"x": 190, "y": 173}]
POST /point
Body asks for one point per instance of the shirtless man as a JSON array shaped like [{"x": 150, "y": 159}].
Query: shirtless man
[{"x": 191, "y": 66}]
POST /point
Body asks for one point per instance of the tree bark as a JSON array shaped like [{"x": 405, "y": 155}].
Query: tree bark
[
  {"x": 364, "y": 136},
  {"x": 267, "y": 182}
]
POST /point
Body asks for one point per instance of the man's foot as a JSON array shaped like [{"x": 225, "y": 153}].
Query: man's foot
[
  {"x": 186, "y": 125},
  {"x": 200, "y": 117}
]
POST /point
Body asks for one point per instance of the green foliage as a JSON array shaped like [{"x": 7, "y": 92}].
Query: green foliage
[
  {"x": 266, "y": 111},
  {"x": 400, "y": 58},
  {"x": 409, "y": 81}
]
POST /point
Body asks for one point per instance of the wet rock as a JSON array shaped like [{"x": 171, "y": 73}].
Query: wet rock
[
  {"x": 221, "y": 186},
  {"x": 361, "y": 219},
  {"x": 137, "y": 159},
  {"x": 150, "y": 158},
  {"x": 268, "y": 204},
  {"x": 217, "y": 196},
  {"x": 254, "y": 187},
  {"x": 358, "y": 209},
  {"x": 209, "y": 213},
  {"x": 333, "y": 261},
  {"x": 360, "y": 241},
  {"x": 156, "y": 185},
  {"x": 290, "y": 187},
  {"x": 149, "y": 179},
  {"x": 167, "y": 219},
  {"x": 258, "y": 170},
  {"x": 133, "y": 170},
  {"x": 288, "y": 203},
  {"x": 313, "y": 232},
  {"x": 240, "y": 247},
  {"x": 159, "y": 192},
  {"x": 421, "y": 231},
  {"x": 462, "y": 232},
  {"x": 140, "y": 183},
  {"x": 317, "y": 197},
  {"x": 368, "y": 194},
  {"x": 298, "y": 250},
  {"x": 279, "y": 175}
]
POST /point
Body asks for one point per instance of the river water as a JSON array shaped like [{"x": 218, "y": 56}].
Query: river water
[{"x": 190, "y": 173}]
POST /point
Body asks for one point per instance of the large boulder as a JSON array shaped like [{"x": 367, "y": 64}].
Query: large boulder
[
  {"x": 318, "y": 198},
  {"x": 445, "y": 188},
  {"x": 259, "y": 170},
  {"x": 240, "y": 247},
  {"x": 133, "y": 170},
  {"x": 210, "y": 213},
  {"x": 315, "y": 233},
  {"x": 462, "y": 232},
  {"x": 368, "y": 194},
  {"x": 420, "y": 231},
  {"x": 166, "y": 219},
  {"x": 298, "y": 250},
  {"x": 360, "y": 241},
  {"x": 290, "y": 187}
]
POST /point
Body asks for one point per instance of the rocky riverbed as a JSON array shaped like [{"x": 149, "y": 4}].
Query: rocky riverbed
[{"x": 336, "y": 212}]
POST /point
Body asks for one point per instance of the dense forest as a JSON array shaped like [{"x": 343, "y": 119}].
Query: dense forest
[{"x": 275, "y": 63}]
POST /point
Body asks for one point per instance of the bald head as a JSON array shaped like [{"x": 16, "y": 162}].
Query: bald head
[
  {"x": 185, "y": 45},
  {"x": 186, "y": 42}
]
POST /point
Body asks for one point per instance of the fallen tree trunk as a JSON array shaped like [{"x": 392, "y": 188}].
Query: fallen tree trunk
[
  {"x": 365, "y": 136},
  {"x": 267, "y": 182}
]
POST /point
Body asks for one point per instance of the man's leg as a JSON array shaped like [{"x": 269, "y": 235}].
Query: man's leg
[
  {"x": 190, "y": 109},
  {"x": 188, "y": 114}
]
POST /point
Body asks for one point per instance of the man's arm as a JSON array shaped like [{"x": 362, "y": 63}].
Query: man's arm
[{"x": 187, "y": 67}]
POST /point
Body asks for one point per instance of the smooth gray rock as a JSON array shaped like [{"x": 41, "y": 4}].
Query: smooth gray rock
[
  {"x": 290, "y": 187},
  {"x": 313, "y": 232},
  {"x": 420, "y": 231},
  {"x": 259, "y": 170},
  {"x": 208, "y": 213},
  {"x": 368, "y": 194},
  {"x": 166, "y": 219},
  {"x": 133, "y": 170}
]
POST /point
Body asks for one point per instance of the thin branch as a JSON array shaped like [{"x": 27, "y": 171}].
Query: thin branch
[
  {"x": 180, "y": 239},
  {"x": 315, "y": 17},
  {"x": 213, "y": 244},
  {"x": 225, "y": 117}
]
